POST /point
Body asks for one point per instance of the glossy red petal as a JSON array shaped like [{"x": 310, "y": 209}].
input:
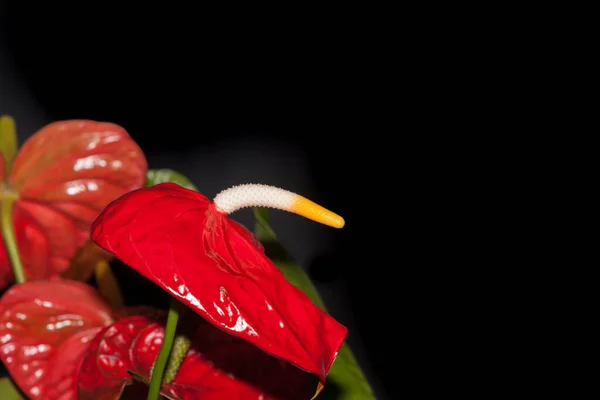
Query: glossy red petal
[
  {"x": 64, "y": 175},
  {"x": 103, "y": 372},
  {"x": 178, "y": 239},
  {"x": 80, "y": 152},
  {"x": 217, "y": 366},
  {"x": 58, "y": 229},
  {"x": 45, "y": 328}
]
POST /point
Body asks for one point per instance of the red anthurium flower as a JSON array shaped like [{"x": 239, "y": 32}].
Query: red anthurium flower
[
  {"x": 45, "y": 329},
  {"x": 217, "y": 366},
  {"x": 61, "y": 178},
  {"x": 187, "y": 245}
]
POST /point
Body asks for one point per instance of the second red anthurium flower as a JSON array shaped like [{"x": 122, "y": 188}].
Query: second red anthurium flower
[
  {"x": 57, "y": 184},
  {"x": 187, "y": 245}
]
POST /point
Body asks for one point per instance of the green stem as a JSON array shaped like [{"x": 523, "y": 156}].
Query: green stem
[
  {"x": 8, "y": 234},
  {"x": 175, "y": 310}
]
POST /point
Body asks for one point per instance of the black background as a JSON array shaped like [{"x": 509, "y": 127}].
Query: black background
[{"x": 301, "y": 110}]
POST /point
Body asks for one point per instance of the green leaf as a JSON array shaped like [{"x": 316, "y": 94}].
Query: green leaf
[
  {"x": 262, "y": 230},
  {"x": 8, "y": 391},
  {"x": 345, "y": 381},
  {"x": 8, "y": 141},
  {"x": 156, "y": 176}
]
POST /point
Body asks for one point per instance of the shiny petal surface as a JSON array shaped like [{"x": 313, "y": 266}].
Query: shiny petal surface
[
  {"x": 45, "y": 328},
  {"x": 217, "y": 366},
  {"x": 103, "y": 372},
  {"x": 178, "y": 239},
  {"x": 64, "y": 175}
]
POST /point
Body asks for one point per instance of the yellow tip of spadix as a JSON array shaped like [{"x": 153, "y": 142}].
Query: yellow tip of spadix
[{"x": 308, "y": 209}]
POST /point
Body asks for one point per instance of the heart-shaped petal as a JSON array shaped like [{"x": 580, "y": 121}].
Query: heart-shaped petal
[
  {"x": 217, "y": 366},
  {"x": 62, "y": 177},
  {"x": 179, "y": 239},
  {"x": 103, "y": 372},
  {"x": 45, "y": 328}
]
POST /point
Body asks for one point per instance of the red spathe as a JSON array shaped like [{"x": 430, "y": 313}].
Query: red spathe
[{"x": 178, "y": 239}]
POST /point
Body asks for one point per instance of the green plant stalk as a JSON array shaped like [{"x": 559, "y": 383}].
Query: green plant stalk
[
  {"x": 8, "y": 234},
  {"x": 175, "y": 310},
  {"x": 8, "y": 141}
]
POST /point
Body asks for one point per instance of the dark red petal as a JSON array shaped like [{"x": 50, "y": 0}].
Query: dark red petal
[
  {"x": 64, "y": 175},
  {"x": 217, "y": 366},
  {"x": 176, "y": 238},
  {"x": 83, "y": 264},
  {"x": 103, "y": 372},
  {"x": 45, "y": 328}
]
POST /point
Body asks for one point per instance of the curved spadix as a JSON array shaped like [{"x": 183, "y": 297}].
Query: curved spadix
[{"x": 256, "y": 195}]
